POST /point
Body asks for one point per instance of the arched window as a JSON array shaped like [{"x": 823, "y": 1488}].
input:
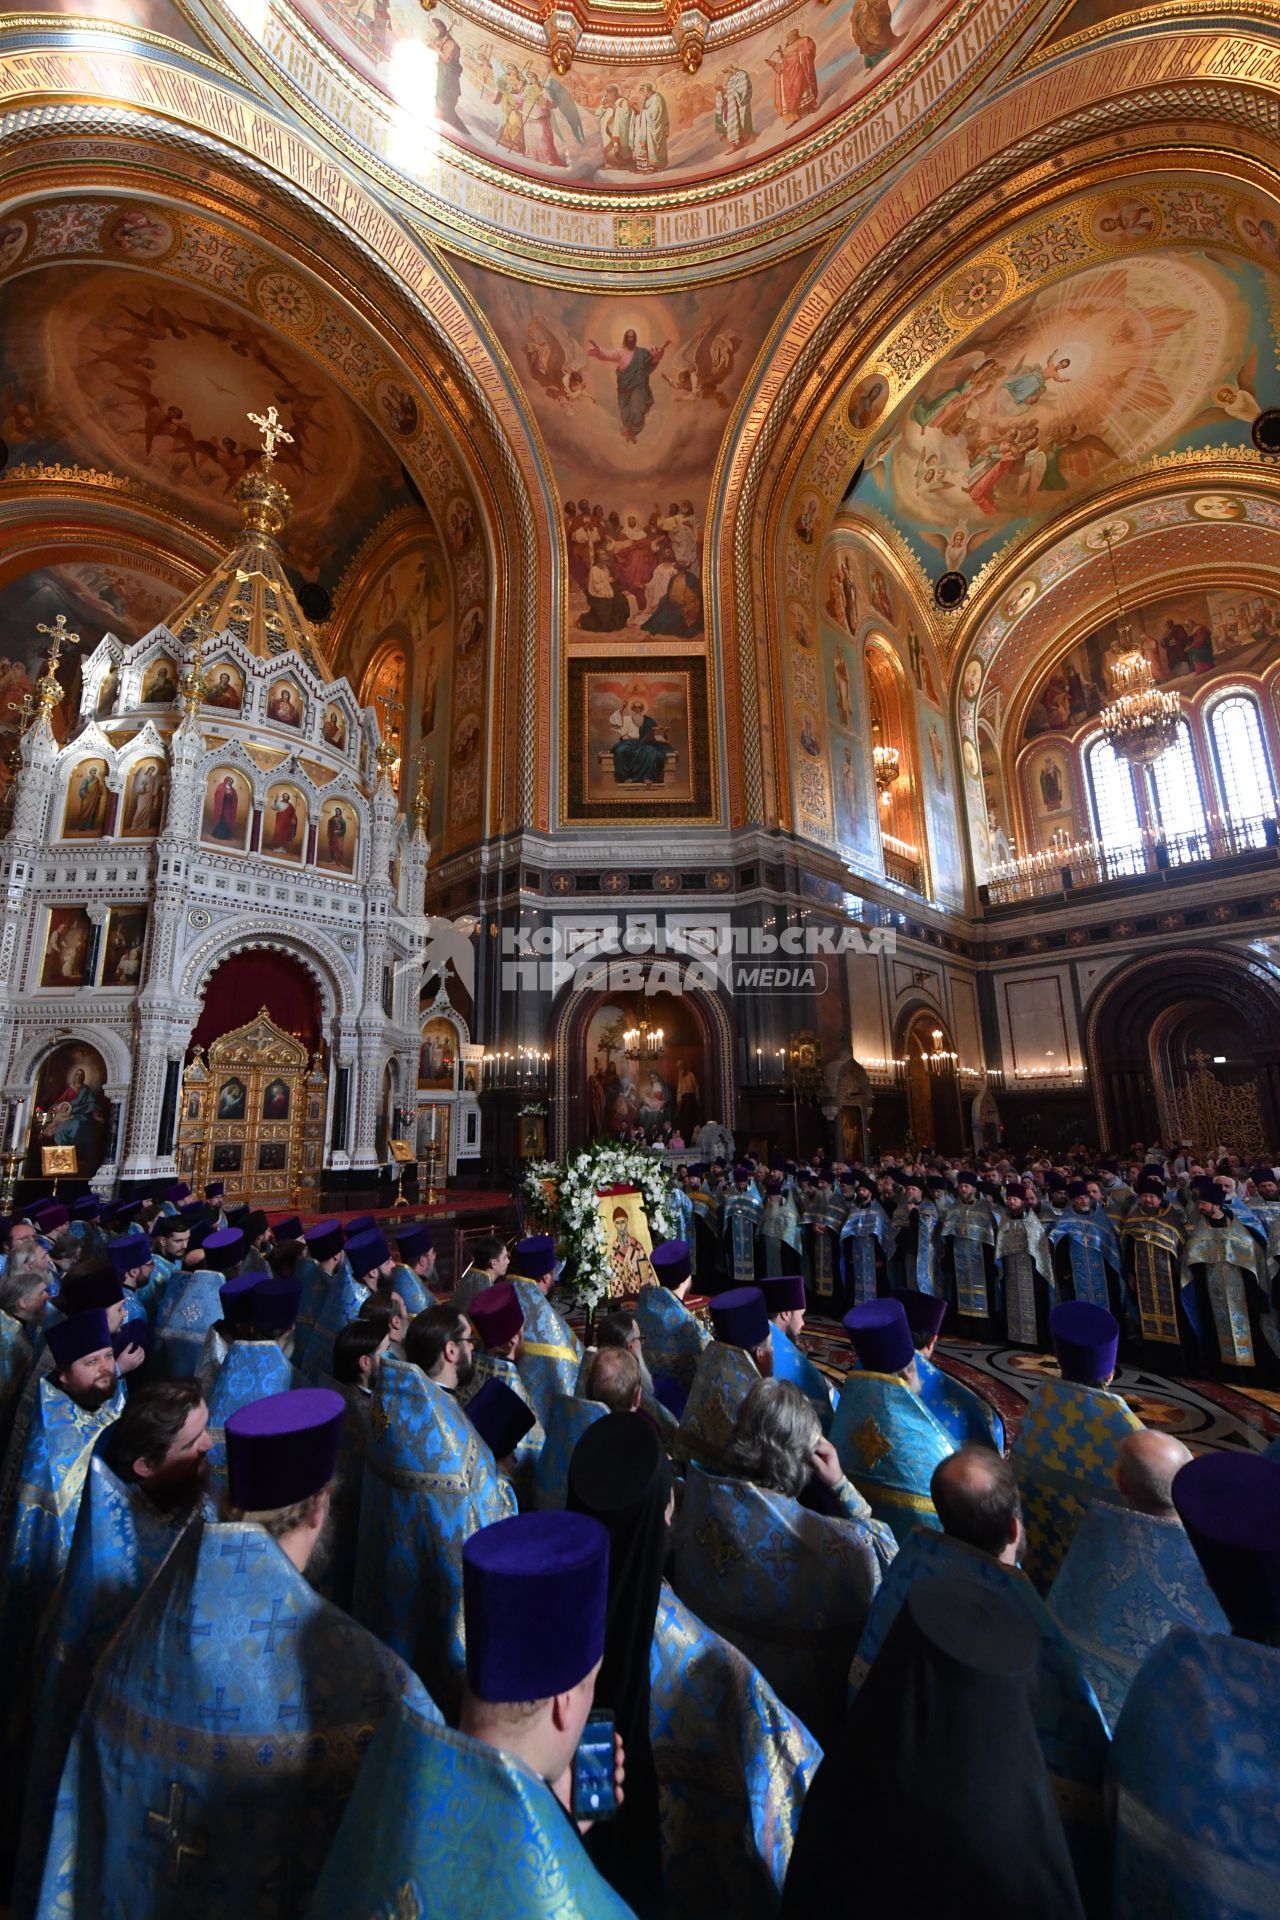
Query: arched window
[
  {"x": 1113, "y": 801},
  {"x": 1177, "y": 801},
  {"x": 1243, "y": 771}
]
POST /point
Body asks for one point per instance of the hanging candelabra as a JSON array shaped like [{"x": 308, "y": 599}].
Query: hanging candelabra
[{"x": 1140, "y": 721}]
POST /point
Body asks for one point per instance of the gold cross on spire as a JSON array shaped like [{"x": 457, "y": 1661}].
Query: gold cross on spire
[
  {"x": 269, "y": 425},
  {"x": 392, "y": 707},
  {"x": 58, "y": 637}
]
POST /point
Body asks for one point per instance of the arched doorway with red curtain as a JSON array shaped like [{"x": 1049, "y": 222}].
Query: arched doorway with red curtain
[{"x": 255, "y": 1090}]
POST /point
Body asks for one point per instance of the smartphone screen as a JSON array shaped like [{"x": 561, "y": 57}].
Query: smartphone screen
[{"x": 593, "y": 1794}]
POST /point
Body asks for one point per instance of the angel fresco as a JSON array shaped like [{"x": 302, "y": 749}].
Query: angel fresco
[
  {"x": 556, "y": 362},
  {"x": 705, "y": 362}
]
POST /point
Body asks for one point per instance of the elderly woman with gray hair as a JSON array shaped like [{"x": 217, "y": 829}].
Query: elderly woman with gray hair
[{"x": 779, "y": 1544}]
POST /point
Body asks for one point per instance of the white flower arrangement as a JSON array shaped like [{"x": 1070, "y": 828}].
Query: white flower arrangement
[{"x": 576, "y": 1215}]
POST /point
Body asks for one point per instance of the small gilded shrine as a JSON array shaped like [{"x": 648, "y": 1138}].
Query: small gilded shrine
[{"x": 221, "y": 798}]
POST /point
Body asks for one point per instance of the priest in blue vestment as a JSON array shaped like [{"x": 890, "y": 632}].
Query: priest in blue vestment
[
  {"x": 549, "y": 1352},
  {"x": 787, "y": 1581},
  {"x": 70, "y": 1408},
  {"x": 740, "y": 1354},
  {"x": 888, "y": 1441},
  {"x": 430, "y": 1482},
  {"x": 717, "y": 1767},
  {"x": 367, "y": 1256},
  {"x": 415, "y": 1265},
  {"x": 672, "y": 1336},
  {"x": 571, "y": 1414},
  {"x": 1131, "y": 1574},
  {"x": 1195, "y": 1768},
  {"x": 146, "y": 1482},
  {"x": 1024, "y": 1270},
  {"x": 256, "y": 1364},
  {"x": 967, "y": 1249},
  {"x": 476, "y": 1824},
  {"x": 964, "y": 1414},
  {"x": 1086, "y": 1255},
  {"x": 786, "y": 1304},
  {"x": 498, "y": 1317},
  {"x": 913, "y": 1236},
  {"x": 229, "y": 1718},
  {"x": 1227, "y": 1273},
  {"x": 780, "y": 1229},
  {"x": 864, "y": 1246},
  {"x": 1066, "y": 1449},
  {"x": 976, "y": 1496},
  {"x": 191, "y": 1306},
  {"x": 319, "y": 1269},
  {"x": 740, "y": 1224}
]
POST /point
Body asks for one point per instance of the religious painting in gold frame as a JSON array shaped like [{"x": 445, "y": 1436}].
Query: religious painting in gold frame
[{"x": 628, "y": 1241}]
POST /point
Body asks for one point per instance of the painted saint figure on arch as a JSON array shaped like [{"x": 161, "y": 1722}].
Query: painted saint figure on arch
[{"x": 633, "y": 365}]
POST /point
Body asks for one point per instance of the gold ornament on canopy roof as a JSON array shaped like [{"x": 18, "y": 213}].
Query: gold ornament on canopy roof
[
  {"x": 1140, "y": 721},
  {"x": 248, "y": 594},
  {"x": 49, "y": 689}
]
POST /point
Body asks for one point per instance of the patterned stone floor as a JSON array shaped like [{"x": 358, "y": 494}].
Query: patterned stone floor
[{"x": 1203, "y": 1413}]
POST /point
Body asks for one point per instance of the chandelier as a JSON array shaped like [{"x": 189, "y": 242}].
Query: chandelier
[
  {"x": 886, "y": 761},
  {"x": 642, "y": 1042},
  {"x": 1140, "y": 721}
]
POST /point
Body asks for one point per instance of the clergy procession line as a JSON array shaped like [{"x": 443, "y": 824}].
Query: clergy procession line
[{"x": 327, "y": 1596}]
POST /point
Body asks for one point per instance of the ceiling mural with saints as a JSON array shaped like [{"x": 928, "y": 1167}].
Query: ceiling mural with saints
[{"x": 1154, "y": 354}]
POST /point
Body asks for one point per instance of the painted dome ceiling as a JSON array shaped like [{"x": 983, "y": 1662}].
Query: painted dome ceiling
[{"x": 621, "y": 128}]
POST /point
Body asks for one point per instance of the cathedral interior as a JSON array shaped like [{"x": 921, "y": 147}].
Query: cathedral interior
[
  {"x": 723, "y": 461},
  {"x": 691, "y": 576}
]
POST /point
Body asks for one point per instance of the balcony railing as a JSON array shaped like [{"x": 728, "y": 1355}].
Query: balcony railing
[{"x": 1091, "y": 863}]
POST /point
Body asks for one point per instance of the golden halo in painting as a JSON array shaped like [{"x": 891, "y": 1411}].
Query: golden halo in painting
[
  {"x": 977, "y": 290},
  {"x": 283, "y": 300}
]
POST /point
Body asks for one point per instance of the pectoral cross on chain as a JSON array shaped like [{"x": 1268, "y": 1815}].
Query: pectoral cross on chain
[{"x": 271, "y": 429}]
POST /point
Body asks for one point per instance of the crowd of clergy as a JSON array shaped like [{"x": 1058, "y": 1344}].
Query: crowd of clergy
[{"x": 326, "y": 1585}]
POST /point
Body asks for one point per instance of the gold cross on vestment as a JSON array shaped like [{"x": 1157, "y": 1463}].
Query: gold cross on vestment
[
  {"x": 190, "y": 1841},
  {"x": 269, "y": 425}
]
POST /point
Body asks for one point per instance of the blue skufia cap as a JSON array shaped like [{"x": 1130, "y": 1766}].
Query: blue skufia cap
[
  {"x": 500, "y": 1417},
  {"x": 367, "y": 1250},
  {"x": 1230, "y": 1506},
  {"x": 1086, "y": 1339},
  {"x": 178, "y": 1191},
  {"x": 534, "y": 1256},
  {"x": 671, "y": 1262},
  {"x": 413, "y": 1243},
  {"x": 98, "y": 1285},
  {"x": 668, "y": 1391},
  {"x": 235, "y": 1296},
  {"x": 739, "y": 1318},
  {"x": 784, "y": 1293},
  {"x": 129, "y": 1251},
  {"x": 290, "y": 1228},
  {"x": 362, "y": 1223},
  {"x": 273, "y": 1303},
  {"x": 324, "y": 1239},
  {"x": 83, "y": 1333},
  {"x": 133, "y": 1333},
  {"x": 223, "y": 1249},
  {"x": 534, "y": 1592},
  {"x": 881, "y": 1336},
  {"x": 214, "y": 1189},
  {"x": 283, "y": 1449},
  {"x": 925, "y": 1312},
  {"x": 88, "y": 1207}
]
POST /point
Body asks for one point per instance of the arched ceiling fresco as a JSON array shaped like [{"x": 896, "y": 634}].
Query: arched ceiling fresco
[{"x": 640, "y": 140}]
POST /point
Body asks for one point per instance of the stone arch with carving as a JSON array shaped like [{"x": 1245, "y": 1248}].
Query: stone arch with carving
[
  {"x": 1127, "y": 1008},
  {"x": 569, "y": 1026},
  {"x": 312, "y": 949}
]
